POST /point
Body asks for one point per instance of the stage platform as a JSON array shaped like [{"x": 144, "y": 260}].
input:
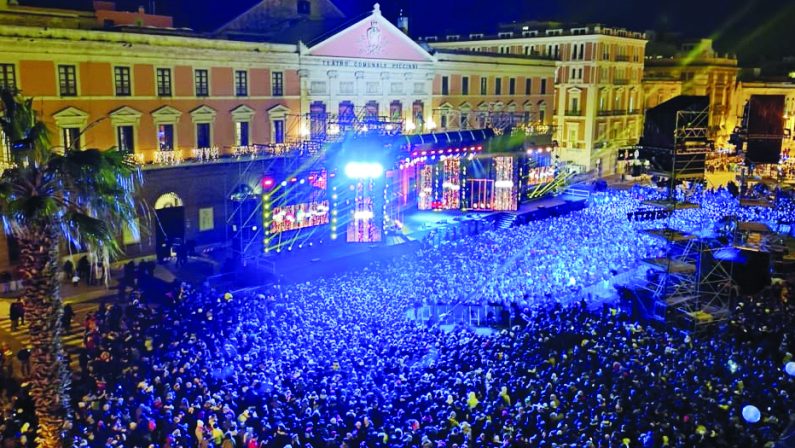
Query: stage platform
[
  {"x": 669, "y": 265},
  {"x": 319, "y": 260}
]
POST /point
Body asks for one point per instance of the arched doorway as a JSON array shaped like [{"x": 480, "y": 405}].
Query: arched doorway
[{"x": 169, "y": 225}]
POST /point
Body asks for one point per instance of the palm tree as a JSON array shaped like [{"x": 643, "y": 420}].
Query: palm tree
[{"x": 49, "y": 197}]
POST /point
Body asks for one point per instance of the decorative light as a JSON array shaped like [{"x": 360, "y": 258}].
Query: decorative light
[
  {"x": 504, "y": 197},
  {"x": 304, "y": 130},
  {"x": 389, "y": 127},
  {"x": 410, "y": 126},
  {"x": 364, "y": 170},
  {"x": 430, "y": 125},
  {"x": 334, "y": 129}
]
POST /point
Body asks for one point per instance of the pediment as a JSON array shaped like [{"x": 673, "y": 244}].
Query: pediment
[{"x": 373, "y": 37}]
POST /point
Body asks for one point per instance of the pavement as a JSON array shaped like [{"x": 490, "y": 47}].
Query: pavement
[{"x": 84, "y": 299}]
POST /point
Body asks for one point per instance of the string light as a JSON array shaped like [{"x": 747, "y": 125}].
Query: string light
[{"x": 504, "y": 196}]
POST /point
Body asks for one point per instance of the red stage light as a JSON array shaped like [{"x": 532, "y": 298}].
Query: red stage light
[
  {"x": 294, "y": 179},
  {"x": 267, "y": 182}
]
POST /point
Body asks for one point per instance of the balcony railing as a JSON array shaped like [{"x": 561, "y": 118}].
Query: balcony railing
[
  {"x": 611, "y": 113},
  {"x": 622, "y": 58},
  {"x": 621, "y": 82},
  {"x": 573, "y": 113}
]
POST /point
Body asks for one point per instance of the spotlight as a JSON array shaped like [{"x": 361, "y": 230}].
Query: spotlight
[{"x": 364, "y": 170}]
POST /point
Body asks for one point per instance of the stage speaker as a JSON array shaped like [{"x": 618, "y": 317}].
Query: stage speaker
[{"x": 765, "y": 128}]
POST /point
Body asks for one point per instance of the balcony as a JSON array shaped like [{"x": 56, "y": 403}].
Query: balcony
[
  {"x": 622, "y": 58},
  {"x": 611, "y": 113},
  {"x": 574, "y": 113}
]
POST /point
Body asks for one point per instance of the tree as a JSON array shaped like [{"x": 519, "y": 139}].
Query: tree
[{"x": 49, "y": 197}]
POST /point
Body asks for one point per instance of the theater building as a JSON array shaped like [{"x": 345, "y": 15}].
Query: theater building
[
  {"x": 597, "y": 84},
  {"x": 694, "y": 68},
  {"x": 207, "y": 117}
]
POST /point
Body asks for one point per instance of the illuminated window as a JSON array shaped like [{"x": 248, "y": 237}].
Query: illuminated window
[{"x": 125, "y": 139}]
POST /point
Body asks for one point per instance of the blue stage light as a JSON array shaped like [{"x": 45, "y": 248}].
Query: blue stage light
[{"x": 364, "y": 170}]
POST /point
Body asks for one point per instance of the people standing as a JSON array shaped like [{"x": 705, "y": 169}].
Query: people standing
[
  {"x": 14, "y": 315},
  {"x": 66, "y": 318}
]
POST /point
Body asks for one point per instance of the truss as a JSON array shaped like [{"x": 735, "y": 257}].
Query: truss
[
  {"x": 244, "y": 224},
  {"x": 691, "y": 284}
]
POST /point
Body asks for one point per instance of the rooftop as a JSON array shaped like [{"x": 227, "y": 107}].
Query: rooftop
[{"x": 539, "y": 30}]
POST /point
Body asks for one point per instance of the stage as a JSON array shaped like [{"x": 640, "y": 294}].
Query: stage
[{"x": 309, "y": 260}]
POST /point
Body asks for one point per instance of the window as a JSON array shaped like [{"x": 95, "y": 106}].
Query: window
[
  {"x": 484, "y": 84},
  {"x": 122, "y": 79},
  {"x": 465, "y": 85},
  {"x": 317, "y": 88},
  {"x": 445, "y": 85},
  {"x": 575, "y": 105},
  {"x": 8, "y": 77},
  {"x": 512, "y": 86},
  {"x": 67, "y": 80},
  {"x": 543, "y": 86},
  {"x": 277, "y": 84},
  {"x": 202, "y": 81},
  {"x": 241, "y": 83},
  {"x": 373, "y": 88},
  {"x": 203, "y": 137},
  {"x": 346, "y": 87},
  {"x": 164, "y": 82},
  {"x": 125, "y": 141},
  {"x": 278, "y": 131},
  {"x": 528, "y": 86},
  {"x": 165, "y": 137},
  {"x": 241, "y": 133},
  {"x": 71, "y": 138},
  {"x": 498, "y": 86}
]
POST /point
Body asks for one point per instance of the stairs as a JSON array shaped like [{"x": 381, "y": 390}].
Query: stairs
[{"x": 504, "y": 220}]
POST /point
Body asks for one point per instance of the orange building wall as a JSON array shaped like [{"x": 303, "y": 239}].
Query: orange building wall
[
  {"x": 222, "y": 81},
  {"x": 37, "y": 78},
  {"x": 292, "y": 85},
  {"x": 259, "y": 82},
  {"x": 183, "y": 81},
  {"x": 96, "y": 79},
  {"x": 144, "y": 80}
]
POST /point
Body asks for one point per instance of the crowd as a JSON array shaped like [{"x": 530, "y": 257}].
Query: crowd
[{"x": 335, "y": 362}]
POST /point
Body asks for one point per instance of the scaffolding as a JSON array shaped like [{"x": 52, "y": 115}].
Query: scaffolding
[
  {"x": 690, "y": 282},
  {"x": 244, "y": 223},
  {"x": 499, "y": 121}
]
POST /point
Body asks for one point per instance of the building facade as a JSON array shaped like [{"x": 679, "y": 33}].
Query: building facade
[
  {"x": 597, "y": 84},
  {"x": 194, "y": 110},
  {"x": 694, "y": 68},
  {"x": 743, "y": 91}
]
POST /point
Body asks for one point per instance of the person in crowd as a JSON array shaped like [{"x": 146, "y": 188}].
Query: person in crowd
[{"x": 337, "y": 362}]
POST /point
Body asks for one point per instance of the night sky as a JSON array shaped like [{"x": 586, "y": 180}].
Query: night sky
[{"x": 755, "y": 29}]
